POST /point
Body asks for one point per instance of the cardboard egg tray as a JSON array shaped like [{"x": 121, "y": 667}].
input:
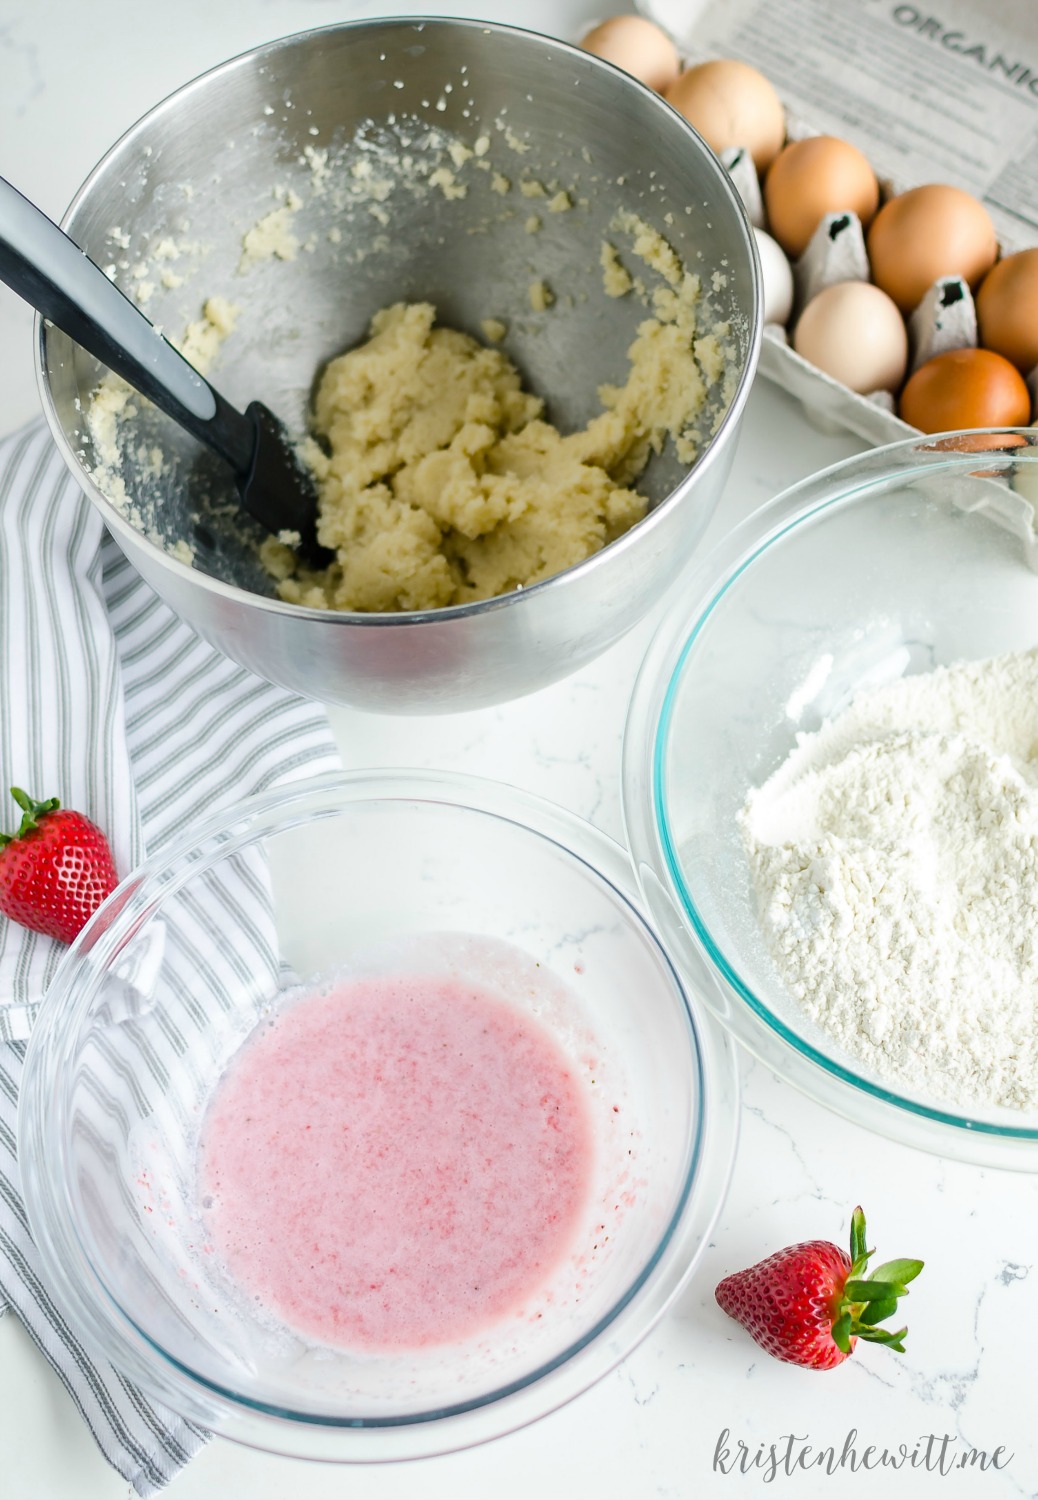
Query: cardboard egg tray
[{"x": 949, "y": 95}]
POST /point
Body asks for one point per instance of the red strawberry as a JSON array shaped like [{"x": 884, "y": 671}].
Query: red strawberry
[
  {"x": 809, "y": 1304},
  {"x": 55, "y": 871}
]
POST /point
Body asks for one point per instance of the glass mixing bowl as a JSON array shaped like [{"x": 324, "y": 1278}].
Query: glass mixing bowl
[
  {"x": 360, "y": 873},
  {"x": 902, "y": 559}
]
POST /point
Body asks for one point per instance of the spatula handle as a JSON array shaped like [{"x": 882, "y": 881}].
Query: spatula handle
[{"x": 41, "y": 264}]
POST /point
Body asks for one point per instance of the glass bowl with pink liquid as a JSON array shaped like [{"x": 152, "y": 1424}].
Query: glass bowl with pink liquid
[{"x": 372, "y": 1120}]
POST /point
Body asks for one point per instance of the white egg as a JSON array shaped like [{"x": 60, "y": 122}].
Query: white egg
[
  {"x": 778, "y": 279},
  {"x": 854, "y": 332}
]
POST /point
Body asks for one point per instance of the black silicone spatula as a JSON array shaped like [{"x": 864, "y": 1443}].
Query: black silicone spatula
[{"x": 41, "y": 264}]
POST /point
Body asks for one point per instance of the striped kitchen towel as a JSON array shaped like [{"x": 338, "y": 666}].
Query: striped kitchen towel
[{"x": 110, "y": 702}]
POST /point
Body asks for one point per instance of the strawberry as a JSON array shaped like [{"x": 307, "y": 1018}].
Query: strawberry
[
  {"x": 809, "y": 1304},
  {"x": 55, "y": 871}
]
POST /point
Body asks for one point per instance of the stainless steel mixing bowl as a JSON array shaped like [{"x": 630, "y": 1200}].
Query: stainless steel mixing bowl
[{"x": 322, "y": 119}]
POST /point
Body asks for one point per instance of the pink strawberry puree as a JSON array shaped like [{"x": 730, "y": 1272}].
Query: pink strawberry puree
[{"x": 396, "y": 1162}]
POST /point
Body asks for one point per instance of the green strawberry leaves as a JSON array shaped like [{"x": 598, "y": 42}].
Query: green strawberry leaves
[
  {"x": 884, "y": 1336},
  {"x": 871, "y": 1290},
  {"x": 899, "y": 1272},
  {"x": 875, "y": 1312},
  {"x": 858, "y": 1250},
  {"x": 865, "y": 1300},
  {"x": 842, "y": 1332},
  {"x": 32, "y": 812}
]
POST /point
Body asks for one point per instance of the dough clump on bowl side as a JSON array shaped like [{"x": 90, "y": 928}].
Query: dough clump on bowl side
[{"x": 441, "y": 480}]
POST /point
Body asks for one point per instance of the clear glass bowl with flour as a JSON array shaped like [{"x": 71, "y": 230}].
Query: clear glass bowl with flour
[{"x": 831, "y": 790}]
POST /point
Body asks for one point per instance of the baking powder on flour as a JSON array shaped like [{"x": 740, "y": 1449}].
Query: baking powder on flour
[{"x": 895, "y": 860}]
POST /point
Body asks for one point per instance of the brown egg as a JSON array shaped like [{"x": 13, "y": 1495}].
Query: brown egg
[
  {"x": 814, "y": 177},
  {"x": 1007, "y": 309},
  {"x": 928, "y": 232},
  {"x": 638, "y": 46},
  {"x": 966, "y": 388},
  {"x": 978, "y": 442},
  {"x": 731, "y": 104}
]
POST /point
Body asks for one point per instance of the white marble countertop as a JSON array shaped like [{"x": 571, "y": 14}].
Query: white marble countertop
[{"x": 71, "y": 79}]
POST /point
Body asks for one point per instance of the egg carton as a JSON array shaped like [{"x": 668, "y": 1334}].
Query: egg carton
[{"x": 921, "y": 148}]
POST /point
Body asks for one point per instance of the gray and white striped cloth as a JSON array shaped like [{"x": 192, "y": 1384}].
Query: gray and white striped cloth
[{"x": 111, "y": 703}]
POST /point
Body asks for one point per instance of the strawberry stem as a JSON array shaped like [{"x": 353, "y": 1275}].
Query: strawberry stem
[{"x": 32, "y": 811}]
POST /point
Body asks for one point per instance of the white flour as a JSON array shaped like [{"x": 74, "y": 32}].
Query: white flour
[{"x": 895, "y": 860}]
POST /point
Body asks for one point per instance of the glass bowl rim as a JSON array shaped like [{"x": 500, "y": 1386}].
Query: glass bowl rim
[
  {"x": 838, "y": 485},
  {"x": 160, "y": 875}
]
